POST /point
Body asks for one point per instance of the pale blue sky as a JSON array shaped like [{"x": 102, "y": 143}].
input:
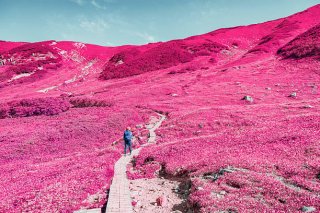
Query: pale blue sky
[{"x": 118, "y": 22}]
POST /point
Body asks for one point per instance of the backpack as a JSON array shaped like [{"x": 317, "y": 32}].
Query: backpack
[{"x": 127, "y": 136}]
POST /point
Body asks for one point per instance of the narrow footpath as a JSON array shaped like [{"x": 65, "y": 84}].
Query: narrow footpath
[{"x": 119, "y": 195}]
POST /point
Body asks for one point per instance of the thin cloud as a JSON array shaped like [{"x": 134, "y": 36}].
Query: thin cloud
[
  {"x": 97, "y": 25},
  {"x": 79, "y": 2},
  {"x": 97, "y": 5},
  {"x": 100, "y": 5},
  {"x": 147, "y": 37}
]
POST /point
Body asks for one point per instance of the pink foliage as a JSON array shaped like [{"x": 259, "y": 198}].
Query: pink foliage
[
  {"x": 270, "y": 169},
  {"x": 89, "y": 102},
  {"x": 60, "y": 163},
  {"x": 303, "y": 46},
  {"x": 237, "y": 157},
  {"x": 164, "y": 55},
  {"x": 32, "y": 107},
  {"x": 281, "y": 32},
  {"x": 132, "y": 62}
]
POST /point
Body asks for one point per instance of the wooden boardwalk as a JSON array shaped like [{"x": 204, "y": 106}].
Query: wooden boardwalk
[{"x": 119, "y": 196}]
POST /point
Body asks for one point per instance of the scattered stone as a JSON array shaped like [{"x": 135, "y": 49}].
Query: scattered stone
[
  {"x": 307, "y": 106},
  {"x": 134, "y": 193},
  {"x": 199, "y": 188},
  {"x": 228, "y": 169},
  {"x": 174, "y": 95},
  {"x": 176, "y": 211},
  {"x": 237, "y": 83},
  {"x": 197, "y": 132},
  {"x": 134, "y": 203},
  {"x": 119, "y": 62},
  {"x": 223, "y": 192},
  {"x": 139, "y": 126},
  {"x": 268, "y": 88},
  {"x": 176, "y": 189},
  {"x": 162, "y": 201},
  {"x": 247, "y": 98},
  {"x": 293, "y": 95},
  {"x": 308, "y": 209},
  {"x": 237, "y": 67},
  {"x": 216, "y": 195}
]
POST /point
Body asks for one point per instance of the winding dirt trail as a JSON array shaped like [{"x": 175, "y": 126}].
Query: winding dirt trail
[{"x": 119, "y": 196}]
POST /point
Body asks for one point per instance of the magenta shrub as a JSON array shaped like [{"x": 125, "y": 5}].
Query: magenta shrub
[
  {"x": 269, "y": 43},
  {"x": 163, "y": 56},
  {"x": 61, "y": 163},
  {"x": 34, "y": 107},
  {"x": 303, "y": 46},
  {"x": 206, "y": 48},
  {"x": 132, "y": 62},
  {"x": 88, "y": 102},
  {"x": 270, "y": 163}
]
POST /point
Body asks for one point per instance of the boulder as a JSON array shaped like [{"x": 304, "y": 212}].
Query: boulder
[
  {"x": 307, "y": 106},
  {"x": 247, "y": 98},
  {"x": 162, "y": 201},
  {"x": 293, "y": 95},
  {"x": 308, "y": 209}
]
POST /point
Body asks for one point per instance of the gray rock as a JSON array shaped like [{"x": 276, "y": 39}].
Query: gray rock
[
  {"x": 248, "y": 98},
  {"x": 308, "y": 209},
  {"x": 139, "y": 126},
  {"x": 293, "y": 95},
  {"x": 229, "y": 170},
  {"x": 307, "y": 106},
  {"x": 223, "y": 192},
  {"x": 268, "y": 88}
]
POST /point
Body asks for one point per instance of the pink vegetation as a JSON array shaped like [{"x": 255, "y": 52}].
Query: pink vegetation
[
  {"x": 305, "y": 45},
  {"x": 164, "y": 55},
  {"x": 64, "y": 106},
  {"x": 63, "y": 162}
]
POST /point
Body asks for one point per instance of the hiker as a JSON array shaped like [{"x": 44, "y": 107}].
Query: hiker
[{"x": 127, "y": 137}]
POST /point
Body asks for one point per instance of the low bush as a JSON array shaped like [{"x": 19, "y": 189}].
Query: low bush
[
  {"x": 87, "y": 102},
  {"x": 132, "y": 62},
  {"x": 34, "y": 107},
  {"x": 303, "y": 46}
]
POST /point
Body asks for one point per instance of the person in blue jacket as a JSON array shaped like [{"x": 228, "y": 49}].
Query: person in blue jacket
[{"x": 127, "y": 137}]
